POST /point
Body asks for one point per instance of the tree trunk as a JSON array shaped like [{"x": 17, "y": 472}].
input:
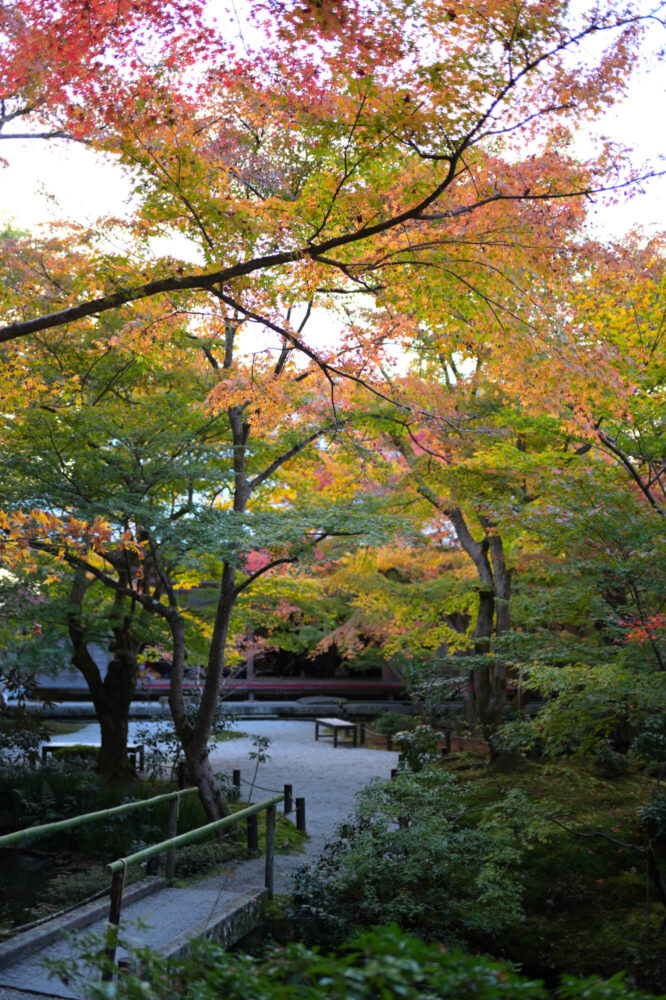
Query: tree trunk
[
  {"x": 489, "y": 681},
  {"x": 194, "y": 739},
  {"x": 112, "y": 697},
  {"x": 484, "y": 696},
  {"x": 113, "y": 714},
  {"x": 200, "y": 772},
  {"x": 216, "y": 656},
  {"x": 495, "y": 680}
]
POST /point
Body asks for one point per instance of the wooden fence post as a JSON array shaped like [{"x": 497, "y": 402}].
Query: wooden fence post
[
  {"x": 252, "y": 833},
  {"x": 288, "y": 799},
  {"x": 115, "y": 907},
  {"x": 172, "y": 830},
  {"x": 300, "y": 815},
  {"x": 270, "y": 848}
]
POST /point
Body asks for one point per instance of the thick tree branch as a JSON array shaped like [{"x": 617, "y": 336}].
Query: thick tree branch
[
  {"x": 260, "y": 572},
  {"x": 625, "y": 460},
  {"x": 294, "y": 450}
]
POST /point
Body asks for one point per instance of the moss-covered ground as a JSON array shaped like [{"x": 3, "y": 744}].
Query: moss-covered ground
[{"x": 589, "y": 905}]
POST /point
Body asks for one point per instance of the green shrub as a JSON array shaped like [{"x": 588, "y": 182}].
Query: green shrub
[
  {"x": 418, "y": 746},
  {"x": 383, "y": 963},
  {"x": 411, "y": 855},
  {"x": 650, "y": 744},
  {"x": 609, "y": 763},
  {"x": 653, "y": 815},
  {"x": 519, "y": 737},
  {"x": 70, "y": 787},
  {"x": 79, "y": 752},
  {"x": 21, "y": 735},
  {"x": 32, "y": 795}
]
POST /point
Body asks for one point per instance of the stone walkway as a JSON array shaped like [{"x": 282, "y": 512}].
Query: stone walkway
[{"x": 326, "y": 777}]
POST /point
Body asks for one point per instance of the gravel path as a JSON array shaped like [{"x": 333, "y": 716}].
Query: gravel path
[{"x": 327, "y": 777}]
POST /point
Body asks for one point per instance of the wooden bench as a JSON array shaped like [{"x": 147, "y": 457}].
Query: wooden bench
[
  {"x": 337, "y": 725},
  {"x": 134, "y": 750}
]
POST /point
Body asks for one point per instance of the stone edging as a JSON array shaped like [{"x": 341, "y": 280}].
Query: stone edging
[{"x": 21, "y": 945}]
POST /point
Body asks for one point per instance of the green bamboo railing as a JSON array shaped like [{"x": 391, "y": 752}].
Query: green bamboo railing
[
  {"x": 118, "y": 869},
  {"x": 22, "y": 837}
]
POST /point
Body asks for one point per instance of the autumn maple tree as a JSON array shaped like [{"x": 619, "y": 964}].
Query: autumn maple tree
[
  {"x": 477, "y": 433},
  {"x": 418, "y": 157},
  {"x": 54, "y": 59},
  {"x": 91, "y": 472},
  {"x": 578, "y": 464},
  {"x": 136, "y": 489},
  {"x": 304, "y": 169}
]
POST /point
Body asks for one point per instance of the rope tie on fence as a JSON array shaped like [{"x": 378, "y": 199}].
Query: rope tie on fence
[
  {"x": 7, "y": 933},
  {"x": 374, "y": 732},
  {"x": 277, "y": 791}
]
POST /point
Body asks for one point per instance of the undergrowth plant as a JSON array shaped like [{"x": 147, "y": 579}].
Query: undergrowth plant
[
  {"x": 260, "y": 756},
  {"x": 413, "y": 853},
  {"x": 418, "y": 746},
  {"x": 21, "y": 735},
  {"x": 383, "y": 962}
]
